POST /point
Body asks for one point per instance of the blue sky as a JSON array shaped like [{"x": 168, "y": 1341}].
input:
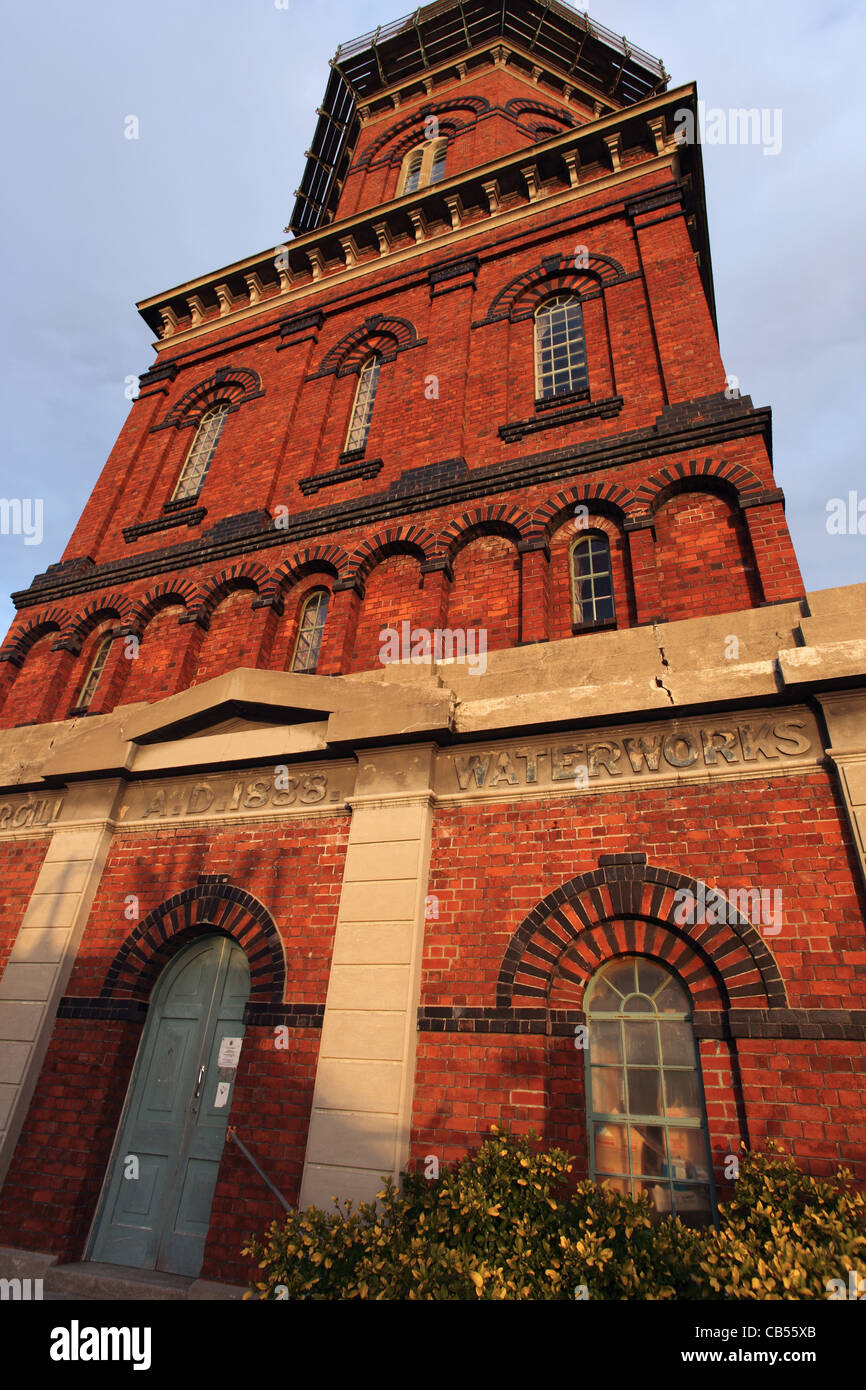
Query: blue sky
[{"x": 225, "y": 92}]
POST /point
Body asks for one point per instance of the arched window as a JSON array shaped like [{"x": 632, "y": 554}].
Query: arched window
[
  {"x": 194, "y": 471},
  {"x": 310, "y": 629},
  {"x": 91, "y": 680},
  {"x": 647, "y": 1119},
  {"x": 592, "y": 580},
  {"x": 423, "y": 166},
  {"x": 412, "y": 171},
  {"x": 560, "y": 350},
  {"x": 362, "y": 410}
]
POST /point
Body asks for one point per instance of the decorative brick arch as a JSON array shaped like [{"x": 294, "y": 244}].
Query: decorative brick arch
[
  {"x": 166, "y": 595},
  {"x": 234, "y": 385},
  {"x": 327, "y": 559},
  {"x": 19, "y": 644},
  {"x": 627, "y": 896},
  {"x": 597, "y": 945},
  {"x": 214, "y": 904},
  {"x": 411, "y": 125},
  {"x": 501, "y": 520},
  {"x": 383, "y": 334},
  {"x": 397, "y": 540},
  {"x": 731, "y": 478},
  {"x": 607, "y": 499},
  {"x": 521, "y": 107},
  {"x": 246, "y": 575},
  {"x": 521, "y": 296},
  {"x": 114, "y": 606}
]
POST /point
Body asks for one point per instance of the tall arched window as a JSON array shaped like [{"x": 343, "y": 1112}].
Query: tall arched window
[
  {"x": 91, "y": 680},
  {"x": 647, "y": 1119},
  {"x": 412, "y": 171},
  {"x": 194, "y": 470},
  {"x": 592, "y": 580},
  {"x": 560, "y": 350},
  {"x": 310, "y": 629},
  {"x": 362, "y": 410},
  {"x": 423, "y": 166}
]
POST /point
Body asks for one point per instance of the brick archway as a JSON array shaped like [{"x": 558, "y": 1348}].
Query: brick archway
[
  {"x": 214, "y": 904},
  {"x": 627, "y": 905}
]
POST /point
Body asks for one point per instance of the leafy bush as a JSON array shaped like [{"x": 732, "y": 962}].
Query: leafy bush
[{"x": 505, "y": 1223}]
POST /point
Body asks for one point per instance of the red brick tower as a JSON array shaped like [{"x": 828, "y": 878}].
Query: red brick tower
[{"x": 475, "y": 407}]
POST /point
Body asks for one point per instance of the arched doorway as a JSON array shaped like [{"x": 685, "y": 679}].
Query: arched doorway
[{"x": 156, "y": 1201}]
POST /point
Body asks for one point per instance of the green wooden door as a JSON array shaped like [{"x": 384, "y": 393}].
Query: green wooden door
[{"x": 157, "y": 1199}]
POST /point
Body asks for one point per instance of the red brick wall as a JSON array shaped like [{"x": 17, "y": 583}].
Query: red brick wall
[
  {"x": 492, "y": 864},
  {"x": 230, "y": 638},
  {"x": 486, "y": 136},
  {"x": 295, "y": 869},
  {"x": 31, "y": 696},
  {"x": 160, "y": 668},
  {"x": 485, "y": 594},
  {"x": 393, "y": 596},
  {"x": 704, "y": 558},
  {"x": 49, "y": 1197}
]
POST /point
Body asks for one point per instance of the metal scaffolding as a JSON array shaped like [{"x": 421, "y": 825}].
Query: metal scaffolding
[{"x": 568, "y": 42}]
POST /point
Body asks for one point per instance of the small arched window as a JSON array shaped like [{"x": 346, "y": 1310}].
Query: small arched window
[
  {"x": 194, "y": 470},
  {"x": 91, "y": 680},
  {"x": 365, "y": 399},
  {"x": 424, "y": 165},
  {"x": 647, "y": 1118},
  {"x": 560, "y": 350},
  {"x": 592, "y": 580},
  {"x": 310, "y": 629}
]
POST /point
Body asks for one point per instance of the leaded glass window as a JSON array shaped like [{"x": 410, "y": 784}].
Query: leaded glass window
[
  {"x": 310, "y": 630},
  {"x": 647, "y": 1119},
  {"x": 412, "y": 176},
  {"x": 91, "y": 680},
  {"x": 437, "y": 165},
  {"x": 424, "y": 165},
  {"x": 560, "y": 350},
  {"x": 592, "y": 580},
  {"x": 362, "y": 411},
  {"x": 193, "y": 473}
]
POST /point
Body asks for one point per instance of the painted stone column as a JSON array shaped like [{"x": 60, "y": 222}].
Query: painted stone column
[
  {"x": 362, "y": 1104},
  {"x": 45, "y": 949},
  {"x": 845, "y": 713}
]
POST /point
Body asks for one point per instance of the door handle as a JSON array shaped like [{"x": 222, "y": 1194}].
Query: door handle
[{"x": 197, "y": 1092}]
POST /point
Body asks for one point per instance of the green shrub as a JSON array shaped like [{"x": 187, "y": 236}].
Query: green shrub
[{"x": 505, "y": 1223}]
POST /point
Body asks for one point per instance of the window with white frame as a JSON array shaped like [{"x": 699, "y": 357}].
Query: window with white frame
[
  {"x": 311, "y": 627},
  {"x": 365, "y": 399},
  {"x": 94, "y": 673},
  {"x": 592, "y": 580},
  {"x": 423, "y": 166},
  {"x": 198, "y": 460},
  {"x": 560, "y": 348},
  {"x": 647, "y": 1116}
]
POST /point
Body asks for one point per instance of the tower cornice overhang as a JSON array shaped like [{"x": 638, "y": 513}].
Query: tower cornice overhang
[{"x": 567, "y": 167}]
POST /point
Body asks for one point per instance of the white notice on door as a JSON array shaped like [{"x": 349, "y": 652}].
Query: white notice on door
[
  {"x": 222, "y": 1095},
  {"x": 229, "y": 1053}
]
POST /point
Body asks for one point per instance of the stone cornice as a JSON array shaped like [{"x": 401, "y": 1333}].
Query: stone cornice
[
  {"x": 546, "y": 173},
  {"x": 677, "y": 436}
]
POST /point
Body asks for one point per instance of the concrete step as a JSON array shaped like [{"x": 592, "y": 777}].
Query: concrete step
[
  {"x": 114, "y": 1282},
  {"x": 92, "y": 1281}
]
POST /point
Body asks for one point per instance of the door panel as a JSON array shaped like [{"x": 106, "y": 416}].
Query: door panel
[{"x": 159, "y": 1219}]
